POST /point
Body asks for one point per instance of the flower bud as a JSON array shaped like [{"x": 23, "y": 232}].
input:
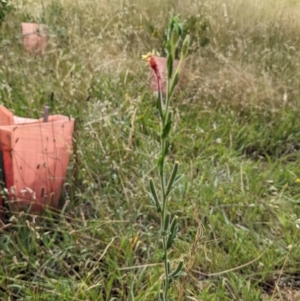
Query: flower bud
[{"x": 185, "y": 46}]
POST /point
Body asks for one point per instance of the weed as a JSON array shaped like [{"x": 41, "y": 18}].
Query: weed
[{"x": 169, "y": 225}]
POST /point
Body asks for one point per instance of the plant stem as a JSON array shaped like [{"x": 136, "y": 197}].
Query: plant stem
[
  {"x": 163, "y": 188},
  {"x": 164, "y": 237}
]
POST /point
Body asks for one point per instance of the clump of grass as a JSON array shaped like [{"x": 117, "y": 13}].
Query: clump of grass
[{"x": 5, "y": 8}]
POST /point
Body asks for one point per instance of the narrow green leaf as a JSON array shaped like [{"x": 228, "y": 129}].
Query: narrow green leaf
[
  {"x": 169, "y": 47},
  {"x": 166, "y": 130},
  {"x": 174, "y": 82},
  {"x": 171, "y": 238},
  {"x": 170, "y": 28},
  {"x": 180, "y": 28},
  {"x": 154, "y": 196},
  {"x": 168, "y": 124},
  {"x": 167, "y": 221},
  {"x": 160, "y": 162},
  {"x": 173, "y": 232},
  {"x": 166, "y": 148},
  {"x": 174, "y": 40},
  {"x": 177, "y": 179},
  {"x": 173, "y": 223},
  {"x": 170, "y": 116},
  {"x": 131, "y": 294},
  {"x": 159, "y": 104},
  {"x": 170, "y": 65},
  {"x": 172, "y": 178},
  {"x": 158, "y": 209},
  {"x": 178, "y": 275},
  {"x": 177, "y": 270}
]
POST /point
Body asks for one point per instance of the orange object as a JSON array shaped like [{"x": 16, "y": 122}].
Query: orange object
[
  {"x": 35, "y": 157},
  {"x": 160, "y": 64},
  {"x": 34, "y": 37}
]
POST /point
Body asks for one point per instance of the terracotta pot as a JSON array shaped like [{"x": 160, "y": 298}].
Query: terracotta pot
[
  {"x": 34, "y": 37},
  {"x": 162, "y": 68},
  {"x": 2, "y": 185},
  {"x": 35, "y": 159}
]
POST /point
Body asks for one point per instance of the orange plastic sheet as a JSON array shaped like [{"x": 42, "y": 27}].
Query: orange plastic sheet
[
  {"x": 162, "y": 68},
  {"x": 35, "y": 157},
  {"x": 34, "y": 37}
]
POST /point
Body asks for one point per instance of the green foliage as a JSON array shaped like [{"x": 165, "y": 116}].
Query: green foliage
[
  {"x": 5, "y": 8},
  {"x": 235, "y": 132}
]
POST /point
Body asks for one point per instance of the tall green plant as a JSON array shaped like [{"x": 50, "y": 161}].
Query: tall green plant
[{"x": 160, "y": 197}]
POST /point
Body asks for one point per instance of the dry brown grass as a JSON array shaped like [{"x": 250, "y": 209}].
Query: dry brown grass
[{"x": 237, "y": 136}]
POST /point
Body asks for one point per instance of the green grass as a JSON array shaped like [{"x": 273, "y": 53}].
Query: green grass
[{"x": 237, "y": 138}]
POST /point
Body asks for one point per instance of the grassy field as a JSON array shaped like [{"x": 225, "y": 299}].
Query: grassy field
[{"x": 237, "y": 138}]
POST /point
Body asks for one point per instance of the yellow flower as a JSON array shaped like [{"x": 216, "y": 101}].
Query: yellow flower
[
  {"x": 147, "y": 56},
  {"x": 298, "y": 180}
]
